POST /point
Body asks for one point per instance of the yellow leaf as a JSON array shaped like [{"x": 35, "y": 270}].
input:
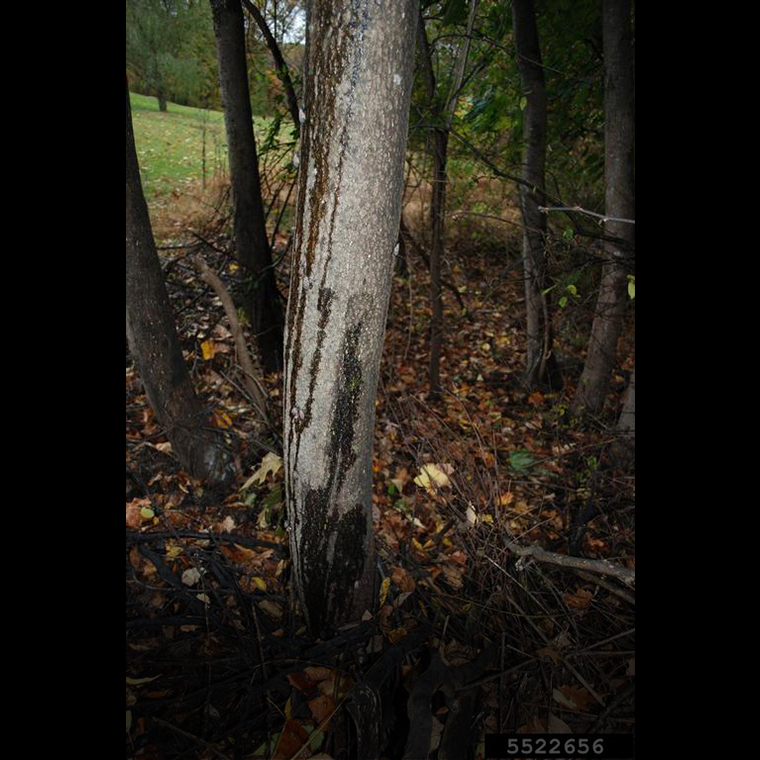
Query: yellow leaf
[
  {"x": 270, "y": 463},
  {"x": 208, "y": 349},
  {"x": 222, "y": 420},
  {"x": 384, "y": 588},
  {"x": 434, "y": 476},
  {"x": 261, "y": 584}
]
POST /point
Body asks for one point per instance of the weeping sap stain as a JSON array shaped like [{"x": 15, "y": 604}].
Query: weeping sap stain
[{"x": 334, "y": 551}]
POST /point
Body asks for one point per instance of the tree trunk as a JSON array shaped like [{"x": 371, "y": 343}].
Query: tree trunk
[
  {"x": 619, "y": 202},
  {"x": 437, "y": 212},
  {"x": 279, "y": 63},
  {"x": 359, "y": 60},
  {"x": 155, "y": 346},
  {"x": 444, "y": 114},
  {"x": 624, "y": 449},
  {"x": 262, "y": 299},
  {"x": 541, "y": 363},
  {"x": 161, "y": 97}
]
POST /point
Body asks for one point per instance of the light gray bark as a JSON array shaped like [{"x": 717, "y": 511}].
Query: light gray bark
[{"x": 359, "y": 61}]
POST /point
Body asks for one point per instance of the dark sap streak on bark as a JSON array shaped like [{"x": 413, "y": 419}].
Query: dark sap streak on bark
[
  {"x": 326, "y": 587},
  {"x": 328, "y": 82},
  {"x": 324, "y": 307}
]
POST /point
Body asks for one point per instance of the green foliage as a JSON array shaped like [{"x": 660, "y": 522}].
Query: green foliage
[
  {"x": 170, "y": 50},
  {"x": 454, "y": 12},
  {"x": 521, "y": 460}
]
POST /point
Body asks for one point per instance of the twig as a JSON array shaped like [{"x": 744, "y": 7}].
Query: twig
[{"x": 579, "y": 210}]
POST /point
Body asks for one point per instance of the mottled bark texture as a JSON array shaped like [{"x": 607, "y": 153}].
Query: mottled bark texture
[
  {"x": 541, "y": 363},
  {"x": 262, "y": 300},
  {"x": 155, "y": 346},
  {"x": 359, "y": 61},
  {"x": 619, "y": 202}
]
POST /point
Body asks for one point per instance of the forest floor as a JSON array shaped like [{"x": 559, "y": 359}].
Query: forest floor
[{"x": 497, "y": 637}]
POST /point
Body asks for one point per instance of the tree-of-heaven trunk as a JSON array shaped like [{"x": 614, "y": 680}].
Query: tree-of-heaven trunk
[
  {"x": 155, "y": 347},
  {"x": 262, "y": 300},
  {"x": 359, "y": 62},
  {"x": 542, "y": 368},
  {"x": 619, "y": 203}
]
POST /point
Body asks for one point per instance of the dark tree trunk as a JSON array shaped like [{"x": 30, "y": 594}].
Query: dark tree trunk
[
  {"x": 155, "y": 346},
  {"x": 619, "y": 202},
  {"x": 437, "y": 218},
  {"x": 279, "y": 62},
  {"x": 262, "y": 299},
  {"x": 443, "y": 114},
  {"x": 541, "y": 363},
  {"x": 161, "y": 101},
  {"x": 359, "y": 62}
]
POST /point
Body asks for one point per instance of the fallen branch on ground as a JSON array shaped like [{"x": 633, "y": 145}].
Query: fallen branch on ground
[
  {"x": 600, "y": 566},
  {"x": 249, "y": 372}
]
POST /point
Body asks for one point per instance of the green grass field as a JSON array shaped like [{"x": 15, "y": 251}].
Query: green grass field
[{"x": 170, "y": 145}]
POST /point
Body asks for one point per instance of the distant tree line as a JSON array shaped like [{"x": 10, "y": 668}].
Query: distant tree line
[{"x": 170, "y": 53}]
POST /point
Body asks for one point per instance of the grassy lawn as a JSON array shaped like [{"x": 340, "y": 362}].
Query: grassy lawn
[{"x": 170, "y": 145}]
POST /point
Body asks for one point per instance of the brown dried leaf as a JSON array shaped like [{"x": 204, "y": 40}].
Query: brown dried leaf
[{"x": 321, "y": 708}]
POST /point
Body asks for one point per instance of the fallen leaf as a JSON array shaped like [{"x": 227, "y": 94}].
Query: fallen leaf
[
  {"x": 384, "y": 589},
  {"x": 433, "y": 476},
  {"x": 208, "y": 349},
  {"x": 301, "y": 682},
  {"x": 292, "y": 738},
  {"x": 222, "y": 419},
  {"x": 271, "y": 608},
  {"x": 402, "y": 579},
  {"x": 191, "y": 576},
  {"x": 318, "y": 673},
  {"x": 238, "y": 553},
  {"x": 573, "y": 697},
  {"x": 270, "y": 463},
  {"x": 558, "y": 726},
  {"x": 321, "y": 708},
  {"x": 134, "y": 518}
]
